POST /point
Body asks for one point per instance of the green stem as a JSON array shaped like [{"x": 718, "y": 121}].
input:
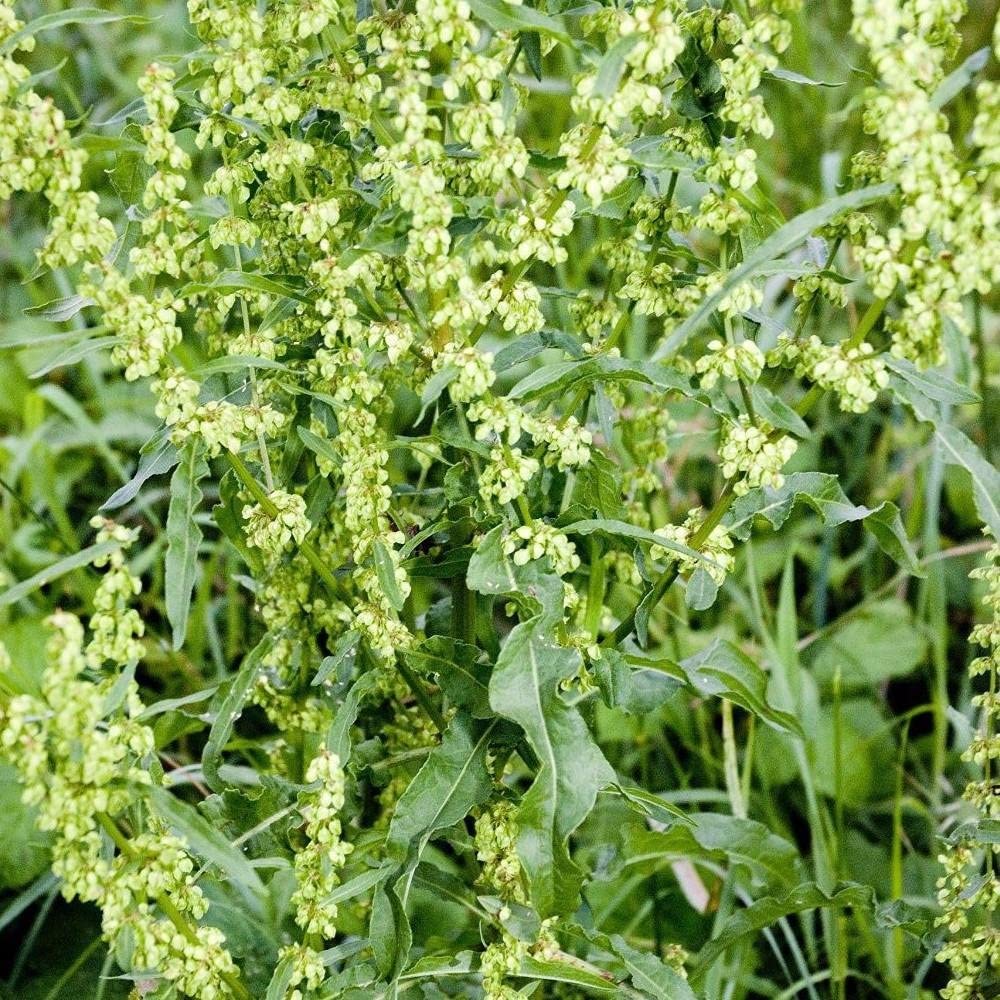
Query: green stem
[{"x": 731, "y": 764}]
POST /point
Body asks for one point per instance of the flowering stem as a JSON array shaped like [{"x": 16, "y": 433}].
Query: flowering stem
[
  {"x": 164, "y": 902},
  {"x": 515, "y": 273},
  {"x": 323, "y": 572}
]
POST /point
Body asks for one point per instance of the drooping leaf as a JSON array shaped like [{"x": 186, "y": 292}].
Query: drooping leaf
[
  {"x": 933, "y": 384},
  {"x": 560, "y": 376},
  {"x": 343, "y": 649},
  {"x": 338, "y": 739},
  {"x": 240, "y": 281},
  {"x": 650, "y": 974},
  {"x": 823, "y": 492},
  {"x": 180, "y": 566},
  {"x": 75, "y": 353},
  {"x": 572, "y": 771},
  {"x": 460, "y": 672},
  {"x": 207, "y": 842},
  {"x": 956, "y": 81},
  {"x": 517, "y": 17},
  {"x": 60, "y": 18},
  {"x": 531, "y": 44},
  {"x": 723, "y": 670},
  {"x": 61, "y": 309},
  {"x": 160, "y": 459},
  {"x": 563, "y": 972},
  {"x": 385, "y": 568},
  {"x": 769, "y": 859}
]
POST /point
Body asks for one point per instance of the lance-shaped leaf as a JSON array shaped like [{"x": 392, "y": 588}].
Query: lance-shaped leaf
[
  {"x": 183, "y": 538},
  {"x": 207, "y": 842},
  {"x": 524, "y": 689},
  {"x": 560, "y": 376},
  {"x": 45, "y": 576},
  {"x": 338, "y": 739},
  {"x": 769, "y": 859},
  {"x": 650, "y": 974},
  {"x": 229, "y": 711},
  {"x": 572, "y": 770},
  {"x": 769, "y": 910},
  {"x": 452, "y": 781}
]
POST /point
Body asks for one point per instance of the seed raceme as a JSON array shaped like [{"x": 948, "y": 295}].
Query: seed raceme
[{"x": 480, "y": 353}]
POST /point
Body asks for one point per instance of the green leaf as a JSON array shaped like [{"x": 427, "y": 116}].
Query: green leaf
[
  {"x": 503, "y": 16},
  {"x": 612, "y": 65},
  {"x": 60, "y": 310},
  {"x": 355, "y": 887},
  {"x": 277, "y": 988},
  {"x": 650, "y": 974},
  {"x": 563, "y": 972},
  {"x": 789, "y": 236},
  {"x": 57, "y": 569},
  {"x": 955, "y": 82},
  {"x": 240, "y": 281},
  {"x": 823, "y": 492},
  {"x": 58, "y": 19},
  {"x": 555, "y": 379},
  {"x": 722, "y": 670},
  {"x": 524, "y": 688},
  {"x": 343, "y": 649},
  {"x": 460, "y": 674},
  {"x": 701, "y": 590},
  {"x": 155, "y": 462},
  {"x": 180, "y": 566},
  {"x": 531, "y": 45},
  {"x": 957, "y": 449},
  {"x": 75, "y": 353},
  {"x": 207, "y": 842},
  {"x": 790, "y": 76},
  {"x": 319, "y": 446},
  {"x": 25, "y": 853},
  {"x": 768, "y": 858},
  {"x": 624, "y": 529},
  {"x": 769, "y": 910},
  {"x": 933, "y": 384},
  {"x": 389, "y": 931},
  {"x": 338, "y": 739},
  {"x": 452, "y": 781},
  {"x": 229, "y": 711},
  {"x": 237, "y": 363},
  {"x": 385, "y": 568}
]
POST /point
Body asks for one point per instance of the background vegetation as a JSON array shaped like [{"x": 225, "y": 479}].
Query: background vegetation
[{"x": 877, "y": 657}]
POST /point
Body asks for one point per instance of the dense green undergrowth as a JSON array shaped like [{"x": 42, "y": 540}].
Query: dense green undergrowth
[{"x": 493, "y": 499}]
